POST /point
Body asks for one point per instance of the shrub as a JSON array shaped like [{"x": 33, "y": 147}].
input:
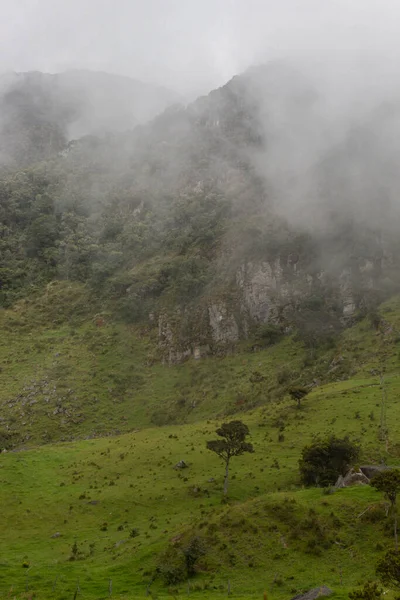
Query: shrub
[
  {"x": 134, "y": 532},
  {"x": 369, "y": 591},
  {"x": 192, "y": 552},
  {"x": 283, "y": 375},
  {"x": 374, "y": 319},
  {"x": 178, "y": 563},
  {"x": 172, "y": 566},
  {"x": 269, "y": 334},
  {"x": 323, "y": 461}
]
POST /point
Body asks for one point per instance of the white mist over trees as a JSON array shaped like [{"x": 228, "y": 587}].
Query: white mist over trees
[{"x": 270, "y": 201}]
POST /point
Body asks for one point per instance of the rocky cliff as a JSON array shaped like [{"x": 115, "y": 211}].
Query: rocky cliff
[{"x": 250, "y": 213}]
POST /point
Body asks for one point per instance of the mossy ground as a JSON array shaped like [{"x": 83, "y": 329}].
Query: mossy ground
[{"x": 272, "y": 535}]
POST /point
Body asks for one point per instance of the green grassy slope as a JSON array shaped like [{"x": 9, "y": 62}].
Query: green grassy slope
[
  {"x": 64, "y": 376},
  {"x": 95, "y": 492},
  {"x": 69, "y": 373},
  {"x": 272, "y": 535}
]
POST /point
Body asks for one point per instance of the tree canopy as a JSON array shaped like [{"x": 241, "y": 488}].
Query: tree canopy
[
  {"x": 388, "y": 569},
  {"x": 233, "y": 443},
  {"x": 323, "y": 461},
  {"x": 388, "y": 481}
]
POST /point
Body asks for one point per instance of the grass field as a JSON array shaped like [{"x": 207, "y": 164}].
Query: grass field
[{"x": 78, "y": 515}]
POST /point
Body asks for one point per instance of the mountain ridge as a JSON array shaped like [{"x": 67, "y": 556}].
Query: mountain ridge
[
  {"x": 37, "y": 107},
  {"x": 204, "y": 223}
]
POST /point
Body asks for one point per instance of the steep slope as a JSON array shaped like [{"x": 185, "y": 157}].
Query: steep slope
[
  {"x": 216, "y": 220},
  {"x": 69, "y": 372}
]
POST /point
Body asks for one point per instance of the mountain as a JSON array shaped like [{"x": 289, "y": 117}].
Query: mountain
[
  {"x": 251, "y": 211},
  {"x": 215, "y": 263},
  {"x": 40, "y": 112}
]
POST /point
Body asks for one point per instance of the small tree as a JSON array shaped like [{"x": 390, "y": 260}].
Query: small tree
[
  {"x": 194, "y": 550},
  {"x": 233, "y": 444},
  {"x": 323, "y": 461},
  {"x": 388, "y": 569},
  {"x": 298, "y": 393},
  {"x": 388, "y": 482}
]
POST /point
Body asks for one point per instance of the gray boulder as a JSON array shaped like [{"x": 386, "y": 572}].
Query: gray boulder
[
  {"x": 355, "y": 478},
  {"x": 314, "y": 593},
  {"x": 181, "y": 465},
  {"x": 352, "y": 478},
  {"x": 339, "y": 482},
  {"x": 371, "y": 470}
]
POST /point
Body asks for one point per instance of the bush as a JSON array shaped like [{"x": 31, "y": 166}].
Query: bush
[
  {"x": 269, "y": 334},
  {"x": 323, "y": 461},
  {"x": 374, "y": 319},
  {"x": 172, "y": 566},
  {"x": 134, "y": 532},
  {"x": 283, "y": 375},
  {"x": 369, "y": 591},
  {"x": 192, "y": 552},
  {"x": 388, "y": 569},
  {"x": 178, "y": 563}
]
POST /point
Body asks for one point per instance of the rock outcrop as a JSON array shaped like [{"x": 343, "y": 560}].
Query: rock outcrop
[
  {"x": 352, "y": 478},
  {"x": 314, "y": 593},
  {"x": 371, "y": 470}
]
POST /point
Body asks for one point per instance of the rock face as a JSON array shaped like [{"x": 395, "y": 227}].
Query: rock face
[
  {"x": 363, "y": 476},
  {"x": 314, "y": 593},
  {"x": 221, "y": 245},
  {"x": 224, "y": 328},
  {"x": 274, "y": 292},
  {"x": 371, "y": 470},
  {"x": 352, "y": 478}
]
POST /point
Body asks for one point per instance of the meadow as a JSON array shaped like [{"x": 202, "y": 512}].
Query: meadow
[{"x": 89, "y": 517}]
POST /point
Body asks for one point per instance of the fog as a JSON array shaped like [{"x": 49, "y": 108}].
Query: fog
[
  {"x": 192, "y": 46},
  {"x": 343, "y": 58},
  {"x": 296, "y": 156}
]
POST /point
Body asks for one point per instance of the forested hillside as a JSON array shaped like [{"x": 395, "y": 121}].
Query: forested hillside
[{"x": 186, "y": 223}]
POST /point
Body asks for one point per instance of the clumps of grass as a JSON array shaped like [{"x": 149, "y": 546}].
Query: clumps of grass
[
  {"x": 74, "y": 551},
  {"x": 278, "y": 580},
  {"x": 134, "y": 532},
  {"x": 284, "y": 375},
  {"x": 369, "y": 591},
  {"x": 314, "y": 533},
  {"x": 375, "y": 319}
]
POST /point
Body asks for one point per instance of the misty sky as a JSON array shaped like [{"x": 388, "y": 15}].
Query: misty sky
[{"x": 195, "y": 45}]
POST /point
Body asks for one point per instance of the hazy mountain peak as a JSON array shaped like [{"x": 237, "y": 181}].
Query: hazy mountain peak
[{"x": 40, "y": 112}]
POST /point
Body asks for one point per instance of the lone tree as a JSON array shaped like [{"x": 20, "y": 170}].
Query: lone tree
[
  {"x": 233, "y": 443},
  {"x": 323, "y": 461},
  {"x": 388, "y": 482},
  {"x": 298, "y": 393}
]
